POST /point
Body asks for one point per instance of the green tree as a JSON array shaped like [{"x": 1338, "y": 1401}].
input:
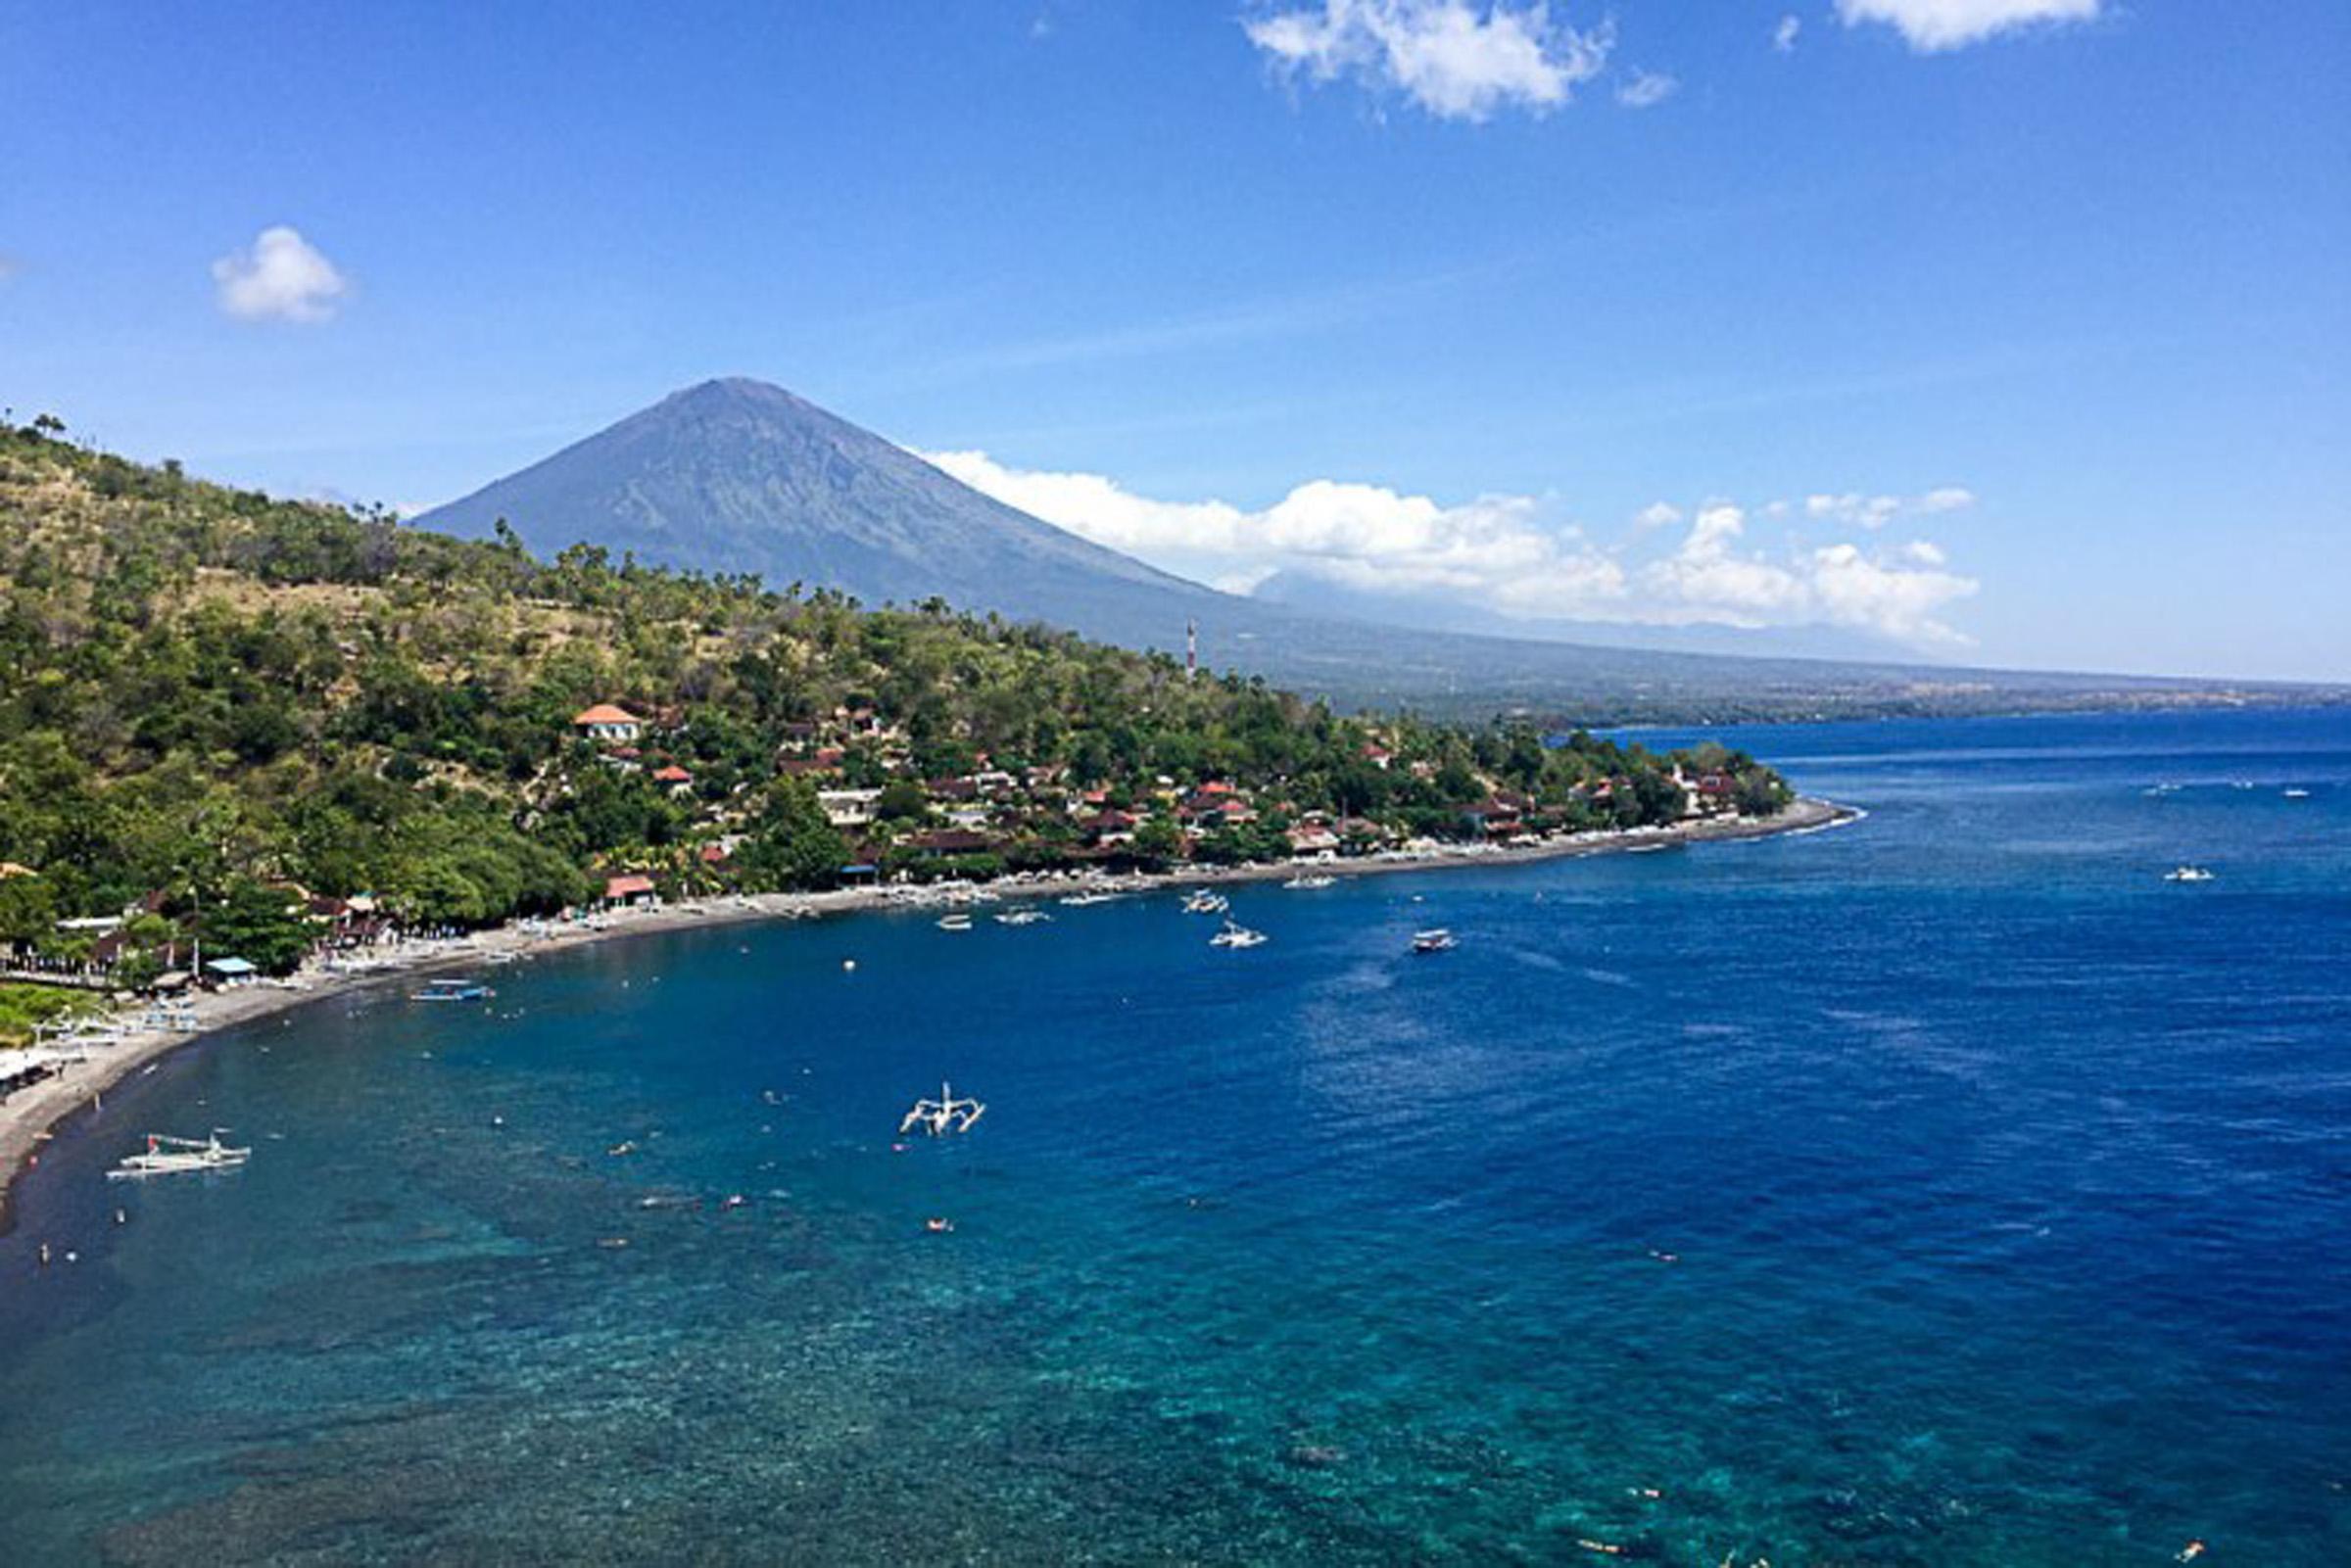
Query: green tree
[{"x": 263, "y": 925}]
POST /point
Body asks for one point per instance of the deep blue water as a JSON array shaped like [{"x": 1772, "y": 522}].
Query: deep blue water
[{"x": 1947, "y": 1188}]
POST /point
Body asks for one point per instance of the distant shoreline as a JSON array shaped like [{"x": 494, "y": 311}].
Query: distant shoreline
[{"x": 34, "y": 1116}]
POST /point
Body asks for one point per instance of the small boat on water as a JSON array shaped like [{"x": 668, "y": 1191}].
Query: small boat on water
[
  {"x": 452, "y": 992},
  {"x": 2297, "y": 794},
  {"x": 1088, "y": 900},
  {"x": 1307, "y": 882},
  {"x": 1200, "y": 901},
  {"x": 942, "y": 1115},
  {"x": 167, "y": 1156},
  {"x": 1436, "y": 939},
  {"x": 957, "y": 922},
  {"x": 1235, "y": 934},
  {"x": 2187, "y": 874},
  {"x": 1022, "y": 917}
]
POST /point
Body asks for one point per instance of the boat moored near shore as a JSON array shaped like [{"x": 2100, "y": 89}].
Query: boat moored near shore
[{"x": 167, "y": 1156}]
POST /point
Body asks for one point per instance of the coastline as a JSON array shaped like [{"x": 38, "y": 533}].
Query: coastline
[{"x": 31, "y": 1118}]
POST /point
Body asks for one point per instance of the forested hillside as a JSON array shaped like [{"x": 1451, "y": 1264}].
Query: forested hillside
[{"x": 219, "y": 703}]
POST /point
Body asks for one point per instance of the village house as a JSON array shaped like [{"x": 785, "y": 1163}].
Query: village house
[
  {"x": 1108, "y": 829},
  {"x": 848, "y": 808},
  {"x": 949, "y": 842},
  {"x": 825, "y": 759},
  {"x": 633, "y": 888},
  {"x": 1314, "y": 837},
  {"x": 607, "y": 724},
  {"x": 1498, "y": 816}
]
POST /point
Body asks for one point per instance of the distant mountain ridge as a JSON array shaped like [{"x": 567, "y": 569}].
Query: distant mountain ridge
[{"x": 739, "y": 476}]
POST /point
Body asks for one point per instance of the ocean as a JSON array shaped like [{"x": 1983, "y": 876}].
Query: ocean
[{"x": 1947, "y": 1188}]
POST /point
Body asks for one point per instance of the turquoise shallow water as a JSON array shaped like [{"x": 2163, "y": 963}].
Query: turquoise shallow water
[{"x": 1942, "y": 1189}]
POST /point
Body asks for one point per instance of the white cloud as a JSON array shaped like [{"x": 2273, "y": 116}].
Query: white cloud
[
  {"x": 281, "y": 277},
  {"x": 1783, "y": 36},
  {"x": 1904, "y": 602},
  {"x": 1501, "y": 554},
  {"x": 1647, "y": 89},
  {"x": 1930, "y": 26},
  {"x": 1876, "y": 511},
  {"x": 1456, "y": 58}
]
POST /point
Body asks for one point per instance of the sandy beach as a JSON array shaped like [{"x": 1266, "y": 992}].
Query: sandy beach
[{"x": 30, "y": 1118}]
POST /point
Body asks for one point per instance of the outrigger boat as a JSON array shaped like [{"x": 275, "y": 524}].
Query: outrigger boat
[
  {"x": 1235, "y": 934},
  {"x": 1306, "y": 882},
  {"x": 1087, "y": 900},
  {"x": 1436, "y": 939},
  {"x": 1022, "y": 917},
  {"x": 958, "y": 922},
  {"x": 1200, "y": 901},
  {"x": 942, "y": 1115},
  {"x": 2187, "y": 874},
  {"x": 452, "y": 992},
  {"x": 168, "y": 1156}
]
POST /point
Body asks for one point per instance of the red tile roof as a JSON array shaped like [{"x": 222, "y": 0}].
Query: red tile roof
[{"x": 606, "y": 713}]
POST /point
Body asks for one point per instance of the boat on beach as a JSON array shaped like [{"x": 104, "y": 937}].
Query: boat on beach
[{"x": 167, "y": 1156}]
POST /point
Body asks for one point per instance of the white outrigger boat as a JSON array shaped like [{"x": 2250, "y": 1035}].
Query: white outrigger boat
[
  {"x": 2187, "y": 874},
  {"x": 1022, "y": 917},
  {"x": 1436, "y": 939},
  {"x": 168, "y": 1156},
  {"x": 1235, "y": 934},
  {"x": 1200, "y": 901},
  {"x": 957, "y": 922},
  {"x": 1308, "y": 880},
  {"x": 942, "y": 1115},
  {"x": 452, "y": 992},
  {"x": 1088, "y": 900}
]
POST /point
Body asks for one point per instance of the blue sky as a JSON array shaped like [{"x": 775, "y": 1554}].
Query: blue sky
[{"x": 2010, "y": 330}]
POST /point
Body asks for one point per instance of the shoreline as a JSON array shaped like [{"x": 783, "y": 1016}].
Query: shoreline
[{"x": 34, "y": 1116}]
